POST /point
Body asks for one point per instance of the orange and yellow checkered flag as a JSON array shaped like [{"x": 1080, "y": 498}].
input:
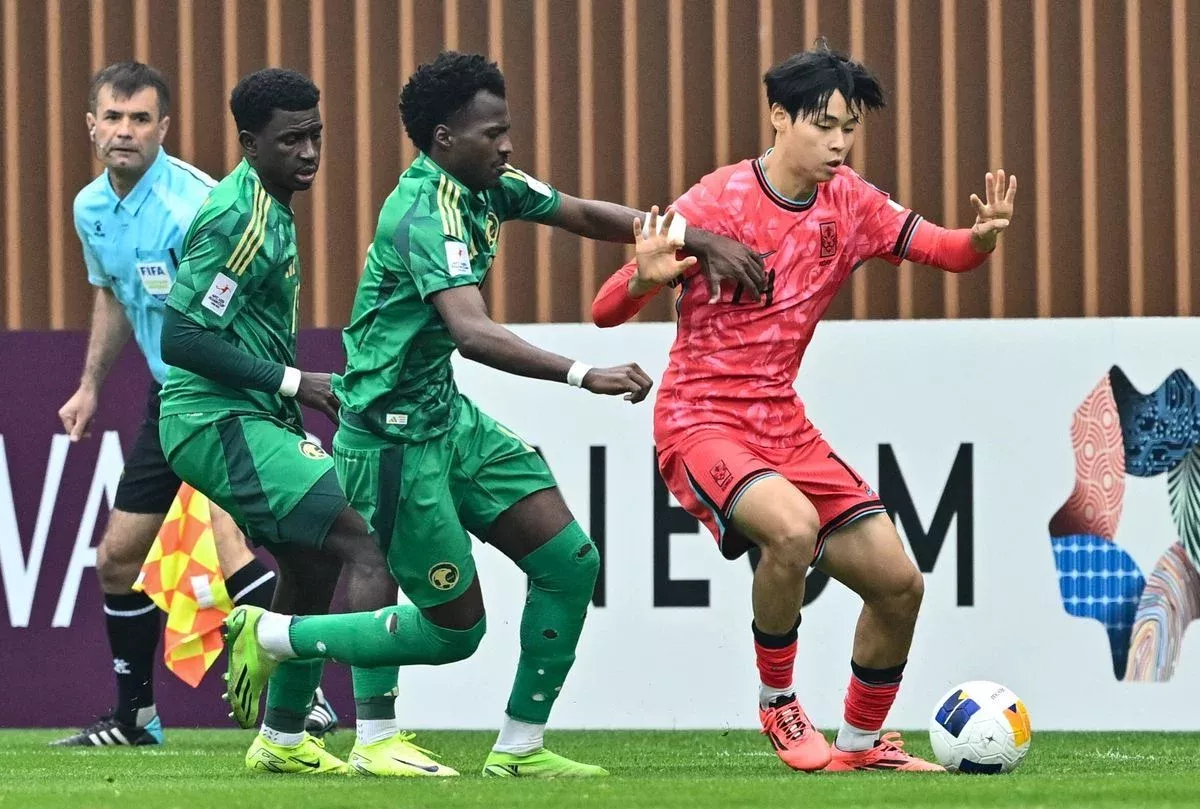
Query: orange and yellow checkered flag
[{"x": 182, "y": 576}]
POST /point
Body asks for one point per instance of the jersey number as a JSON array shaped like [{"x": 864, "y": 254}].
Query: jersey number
[
  {"x": 834, "y": 457},
  {"x": 768, "y": 293}
]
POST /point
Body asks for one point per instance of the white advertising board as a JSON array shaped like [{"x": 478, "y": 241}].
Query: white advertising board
[{"x": 965, "y": 429}]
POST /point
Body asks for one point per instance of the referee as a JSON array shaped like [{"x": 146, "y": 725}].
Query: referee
[{"x": 131, "y": 221}]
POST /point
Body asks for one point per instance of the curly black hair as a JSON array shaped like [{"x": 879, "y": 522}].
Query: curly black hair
[
  {"x": 258, "y": 95},
  {"x": 443, "y": 87},
  {"x": 803, "y": 82}
]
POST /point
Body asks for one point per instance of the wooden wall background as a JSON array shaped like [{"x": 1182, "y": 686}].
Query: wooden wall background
[{"x": 1094, "y": 104}]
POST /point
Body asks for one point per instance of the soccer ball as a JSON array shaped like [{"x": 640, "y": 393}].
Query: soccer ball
[{"x": 980, "y": 727}]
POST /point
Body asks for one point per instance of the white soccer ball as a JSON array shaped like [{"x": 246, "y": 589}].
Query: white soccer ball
[{"x": 980, "y": 727}]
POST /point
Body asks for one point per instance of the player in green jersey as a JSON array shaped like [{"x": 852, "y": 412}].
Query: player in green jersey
[
  {"x": 231, "y": 423},
  {"x": 422, "y": 462}
]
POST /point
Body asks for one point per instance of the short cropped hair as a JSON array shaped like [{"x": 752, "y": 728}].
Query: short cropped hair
[
  {"x": 128, "y": 78},
  {"x": 258, "y": 95}
]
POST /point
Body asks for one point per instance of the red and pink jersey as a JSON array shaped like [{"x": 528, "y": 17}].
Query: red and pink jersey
[{"x": 734, "y": 363}]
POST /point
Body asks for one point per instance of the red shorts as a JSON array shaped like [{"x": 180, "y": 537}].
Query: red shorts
[{"x": 708, "y": 474}]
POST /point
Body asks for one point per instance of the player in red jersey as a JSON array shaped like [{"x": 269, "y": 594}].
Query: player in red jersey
[{"x": 734, "y": 444}]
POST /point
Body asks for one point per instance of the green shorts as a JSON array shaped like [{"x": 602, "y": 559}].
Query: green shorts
[
  {"x": 278, "y": 486},
  {"x": 423, "y": 498}
]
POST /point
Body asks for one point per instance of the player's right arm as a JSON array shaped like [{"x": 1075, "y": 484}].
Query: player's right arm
[
  {"x": 110, "y": 331},
  {"x": 211, "y": 287},
  {"x": 481, "y": 339},
  {"x": 438, "y": 261}
]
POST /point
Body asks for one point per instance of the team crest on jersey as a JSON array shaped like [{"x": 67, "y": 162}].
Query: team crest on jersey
[
  {"x": 309, "y": 449},
  {"x": 491, "y": 230},
  {"x": 829, "y": 239},
  {"x": 443, "y": 575},
  {"x": 721, "y": 475}
]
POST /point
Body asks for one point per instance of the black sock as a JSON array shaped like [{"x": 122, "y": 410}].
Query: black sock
[
  {"x": 133, "y": 625},
  {"x": 253, "y": 584}
]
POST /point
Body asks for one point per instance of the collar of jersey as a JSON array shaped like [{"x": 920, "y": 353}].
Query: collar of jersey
[
  {"x": 253, "y": 175},
  {"x": 779, "y": 199},
  {"x": 137, "y": 196},
  {"x": 425, "y": 163}
]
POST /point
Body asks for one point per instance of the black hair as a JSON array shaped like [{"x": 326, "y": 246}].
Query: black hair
[
  {"x": 258, "y": 95},
  {"x": 439, "y": 89},
  {"x": 803, "y": 82},
  {"x": 127, "y": 78}
]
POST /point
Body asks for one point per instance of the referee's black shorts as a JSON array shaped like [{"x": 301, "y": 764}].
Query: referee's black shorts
[{"x": 148, "y": 486}]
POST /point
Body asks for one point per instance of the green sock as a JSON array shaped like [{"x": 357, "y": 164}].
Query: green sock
[
  {"x": 562, "y": 575},
  {"x": 289, "y": 693},
  {"x": 394, "y": 636},
  {"x": 375, "y": 692}
]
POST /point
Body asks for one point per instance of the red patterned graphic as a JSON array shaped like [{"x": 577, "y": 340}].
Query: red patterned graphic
[{"x": 1094, "y": 506}]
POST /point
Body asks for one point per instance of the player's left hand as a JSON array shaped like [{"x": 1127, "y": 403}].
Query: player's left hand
[
  {"x": 655, "y": 251},
  {"x": 992, "y": 216}
]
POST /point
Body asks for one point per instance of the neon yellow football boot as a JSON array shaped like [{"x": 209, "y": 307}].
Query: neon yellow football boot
[
  {"x": 308, "y": 758},
  {"x": 397, "y": 756},
  {"x": 538, "y": 764},
  {"x": 249, "y": 666}
]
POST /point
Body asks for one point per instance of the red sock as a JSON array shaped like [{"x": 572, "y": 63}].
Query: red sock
[
  {"x": 776, "y": 657},
  {"x": 870, "y": 695}
]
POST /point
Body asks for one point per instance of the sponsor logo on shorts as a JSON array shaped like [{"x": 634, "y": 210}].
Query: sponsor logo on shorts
[
  {"x": 721, "y": 475},
  {"x": 310, "y": 449},
  {"x": 443, "y": 575}
]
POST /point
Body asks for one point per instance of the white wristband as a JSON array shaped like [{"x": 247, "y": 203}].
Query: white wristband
[
  {"x": 678, "y": 226},
  {"x": 290, "y": 383},
  {"x": 675, "y": 234},
  {"x": 576, "y": 374}
]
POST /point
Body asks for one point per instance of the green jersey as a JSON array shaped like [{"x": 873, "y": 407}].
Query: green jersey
[
  {"x": 433, "y": 234},
  {"x": 240, "y": 277}
]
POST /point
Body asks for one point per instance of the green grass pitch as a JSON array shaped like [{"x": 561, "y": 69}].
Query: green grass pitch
[{"x": 199, "y": 769}]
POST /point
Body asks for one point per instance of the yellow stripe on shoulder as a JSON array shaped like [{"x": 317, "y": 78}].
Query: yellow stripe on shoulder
[
  {"x": 254, "y": 235},
  {"x": 448, "y": 196},
  {"x": 247, "y": 234}
]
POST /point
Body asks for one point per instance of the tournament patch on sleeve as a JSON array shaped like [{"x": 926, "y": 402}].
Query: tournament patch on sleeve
[
  {"x": 219, "y": 294},
  {"x": 458, "y": 260}
]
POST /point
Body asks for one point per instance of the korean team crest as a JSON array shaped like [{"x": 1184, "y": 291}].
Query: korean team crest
[
  {"x": 721, "y": 475},
  {"x": 829, "y": 239}
]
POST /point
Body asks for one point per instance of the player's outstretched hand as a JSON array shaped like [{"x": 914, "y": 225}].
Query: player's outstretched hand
[
  {"x": 314, "y": 391},
  {"x": 992, "y": 216},
  {"x": 628, "y": 379},
  {"x": 656, "y": 262},
  {"x": 76, "y": 415}
]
